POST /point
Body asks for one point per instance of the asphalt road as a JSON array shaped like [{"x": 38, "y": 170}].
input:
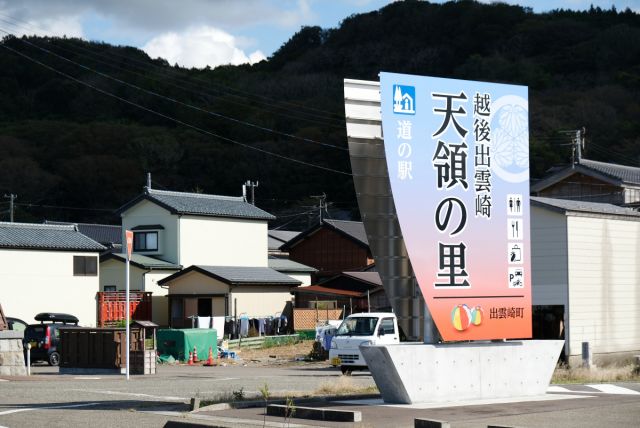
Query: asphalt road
[{"x": 52, "y": 400}]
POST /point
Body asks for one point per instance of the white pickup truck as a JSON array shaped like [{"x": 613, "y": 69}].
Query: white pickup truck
[{"x": 368, "y": 328}]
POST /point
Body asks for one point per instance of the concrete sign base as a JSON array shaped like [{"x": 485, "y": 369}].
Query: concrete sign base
[{"x": 420, "y": 373}]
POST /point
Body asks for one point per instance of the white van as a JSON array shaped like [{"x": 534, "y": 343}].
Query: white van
[{"x": 368, "y": 328}]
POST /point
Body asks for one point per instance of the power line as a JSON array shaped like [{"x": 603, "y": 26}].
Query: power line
[
  {"x": 607, "y": 151},
  {"x": 153, "y": 93},
  {"x": 28, "y": 205},
  {"x": 178, "y": 121},
  {"x": 298, "y": 214}
]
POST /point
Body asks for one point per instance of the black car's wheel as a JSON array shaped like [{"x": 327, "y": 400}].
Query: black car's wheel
[
  {"x": 54, "y": 359},
  {"x": 346, "y": 370}
]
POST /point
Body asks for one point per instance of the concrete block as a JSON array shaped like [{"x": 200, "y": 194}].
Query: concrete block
[
  {"x": 11, "y": 354},
  {"x": 502, "y": 426},
  {"x": 11, "y": 334},
  {"x": 318, "y": 414},
  {"x": 417, "y": 373},
  {"x": 195, "y": 403},
  {"x": 430, "y": 423},
  {"x": 179, "y": 424}
]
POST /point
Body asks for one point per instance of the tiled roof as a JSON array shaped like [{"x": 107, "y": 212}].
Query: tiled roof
[
  {"x": 370, "y": 277},
  {"x": 239, "y": 275},
  {"x": 102, "y": 233},
  {"x": 105, "y": 234},
  {"x": 608, "y": 172},
  {"x": 354, "y": 229},
  {"x": 45, "y": 237},
  {"x": 201, "y": 204},
  {"x": 582, "y": 206},
  {"x": 143, "y": 262},
  {"x": 319, "y": 289},
  {"x": 628, "y": 174},
  {"x": 286, "y": 265},
  {"x": 277, "y": 238}
]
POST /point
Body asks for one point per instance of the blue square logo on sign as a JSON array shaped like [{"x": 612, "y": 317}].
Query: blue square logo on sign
[{"x": 404, "y": 99}]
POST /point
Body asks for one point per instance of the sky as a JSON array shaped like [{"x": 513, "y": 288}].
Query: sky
[{"x": 200, "y": 33}]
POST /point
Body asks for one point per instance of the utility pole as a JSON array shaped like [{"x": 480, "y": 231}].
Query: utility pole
[
  {"x": 577, "y": 144},
  {"x": 11, "y": 198},
  {"x": 252, "y": 185},
  {"x": 321, "y": 204}
]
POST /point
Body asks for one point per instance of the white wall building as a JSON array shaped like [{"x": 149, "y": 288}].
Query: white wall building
[
  {"x": 48, "y": 268},
  {"x": 585, "y": 261},
  {"x": 202, "y": 233}
]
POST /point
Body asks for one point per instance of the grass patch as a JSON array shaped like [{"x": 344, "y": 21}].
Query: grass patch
[
  {"x": 565, "y": 374},
  {"x": 344, "y": 386},
  {"x": 271, "y": 342}
]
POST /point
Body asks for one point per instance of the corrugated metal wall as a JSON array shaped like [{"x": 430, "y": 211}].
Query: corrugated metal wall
[{"x": 373, "y": 190}]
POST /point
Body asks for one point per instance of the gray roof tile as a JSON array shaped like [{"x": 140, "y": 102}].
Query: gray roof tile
[
  {"x": 238, "y": 275},
  {"x": 587, "y": 207},
  {"x": 354, "y": 229},
  {"x": 286, "y": 265},
  {"x": 249, "y": 275},
  {"x": 628, "y": 174},
  {"x": 45, "y": 237},
  {"x": 277, "y": 238},
  {"x": 144, "y": 262},
  {"x": 370, "y": 277},
  {"x": 609, "y": 172},
  {"x": 105, "y": 234},
  {"x": 202, "y": 204}
]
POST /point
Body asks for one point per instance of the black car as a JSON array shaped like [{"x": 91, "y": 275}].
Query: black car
[
  {"x": 16, "y": 324},
  {"x": 44, "y": 338}
]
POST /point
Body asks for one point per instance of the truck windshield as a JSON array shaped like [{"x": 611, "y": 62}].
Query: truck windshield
[{"x": 360, "y": 326}]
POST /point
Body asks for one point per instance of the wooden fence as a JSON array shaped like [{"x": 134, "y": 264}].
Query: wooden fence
[{"x": 307, "y": 319}]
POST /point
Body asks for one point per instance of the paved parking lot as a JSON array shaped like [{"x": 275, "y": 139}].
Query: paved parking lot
[{"x": 49, "y": 399}]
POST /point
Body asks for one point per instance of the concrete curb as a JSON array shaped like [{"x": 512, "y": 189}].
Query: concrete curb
[
  {"x": 314, "y": 413},
  {"x": 430, "y": 423},
  {"x": 261, "y": 403}
]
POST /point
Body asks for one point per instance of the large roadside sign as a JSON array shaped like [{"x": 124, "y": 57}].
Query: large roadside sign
[{"x": 458, "y": 158}]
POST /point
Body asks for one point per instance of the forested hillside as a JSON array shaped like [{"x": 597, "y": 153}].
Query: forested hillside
[{"x": 81, "y": 122}]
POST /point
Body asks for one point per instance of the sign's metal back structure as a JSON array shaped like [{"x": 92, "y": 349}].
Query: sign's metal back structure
[{"x": 373, "y": 190}]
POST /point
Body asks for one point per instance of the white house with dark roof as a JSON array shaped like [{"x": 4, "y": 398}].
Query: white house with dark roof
[
  {"x": 585, "y": 259},
  {"x": 48, "y": 268},
  {"x": 181, "y": 238},
  {"x": 227, "y": 290}
]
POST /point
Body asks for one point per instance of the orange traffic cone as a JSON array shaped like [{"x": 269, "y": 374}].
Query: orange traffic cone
[
  {"x": 195, "y": 355},
  {"x": 190, "y": 359},
  {"x": 210, "y": 361}
]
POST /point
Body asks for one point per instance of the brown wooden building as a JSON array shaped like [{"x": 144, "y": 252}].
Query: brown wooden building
[
  {"x": 332, "y": 247},
  {"x": 592, "y": 181}
]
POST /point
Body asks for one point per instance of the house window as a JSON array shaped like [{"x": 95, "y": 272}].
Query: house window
[
  {"x": 85, "y": 266},
  {"x": 145, "y": 241},
  {"x": 109, "y": 288}
]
